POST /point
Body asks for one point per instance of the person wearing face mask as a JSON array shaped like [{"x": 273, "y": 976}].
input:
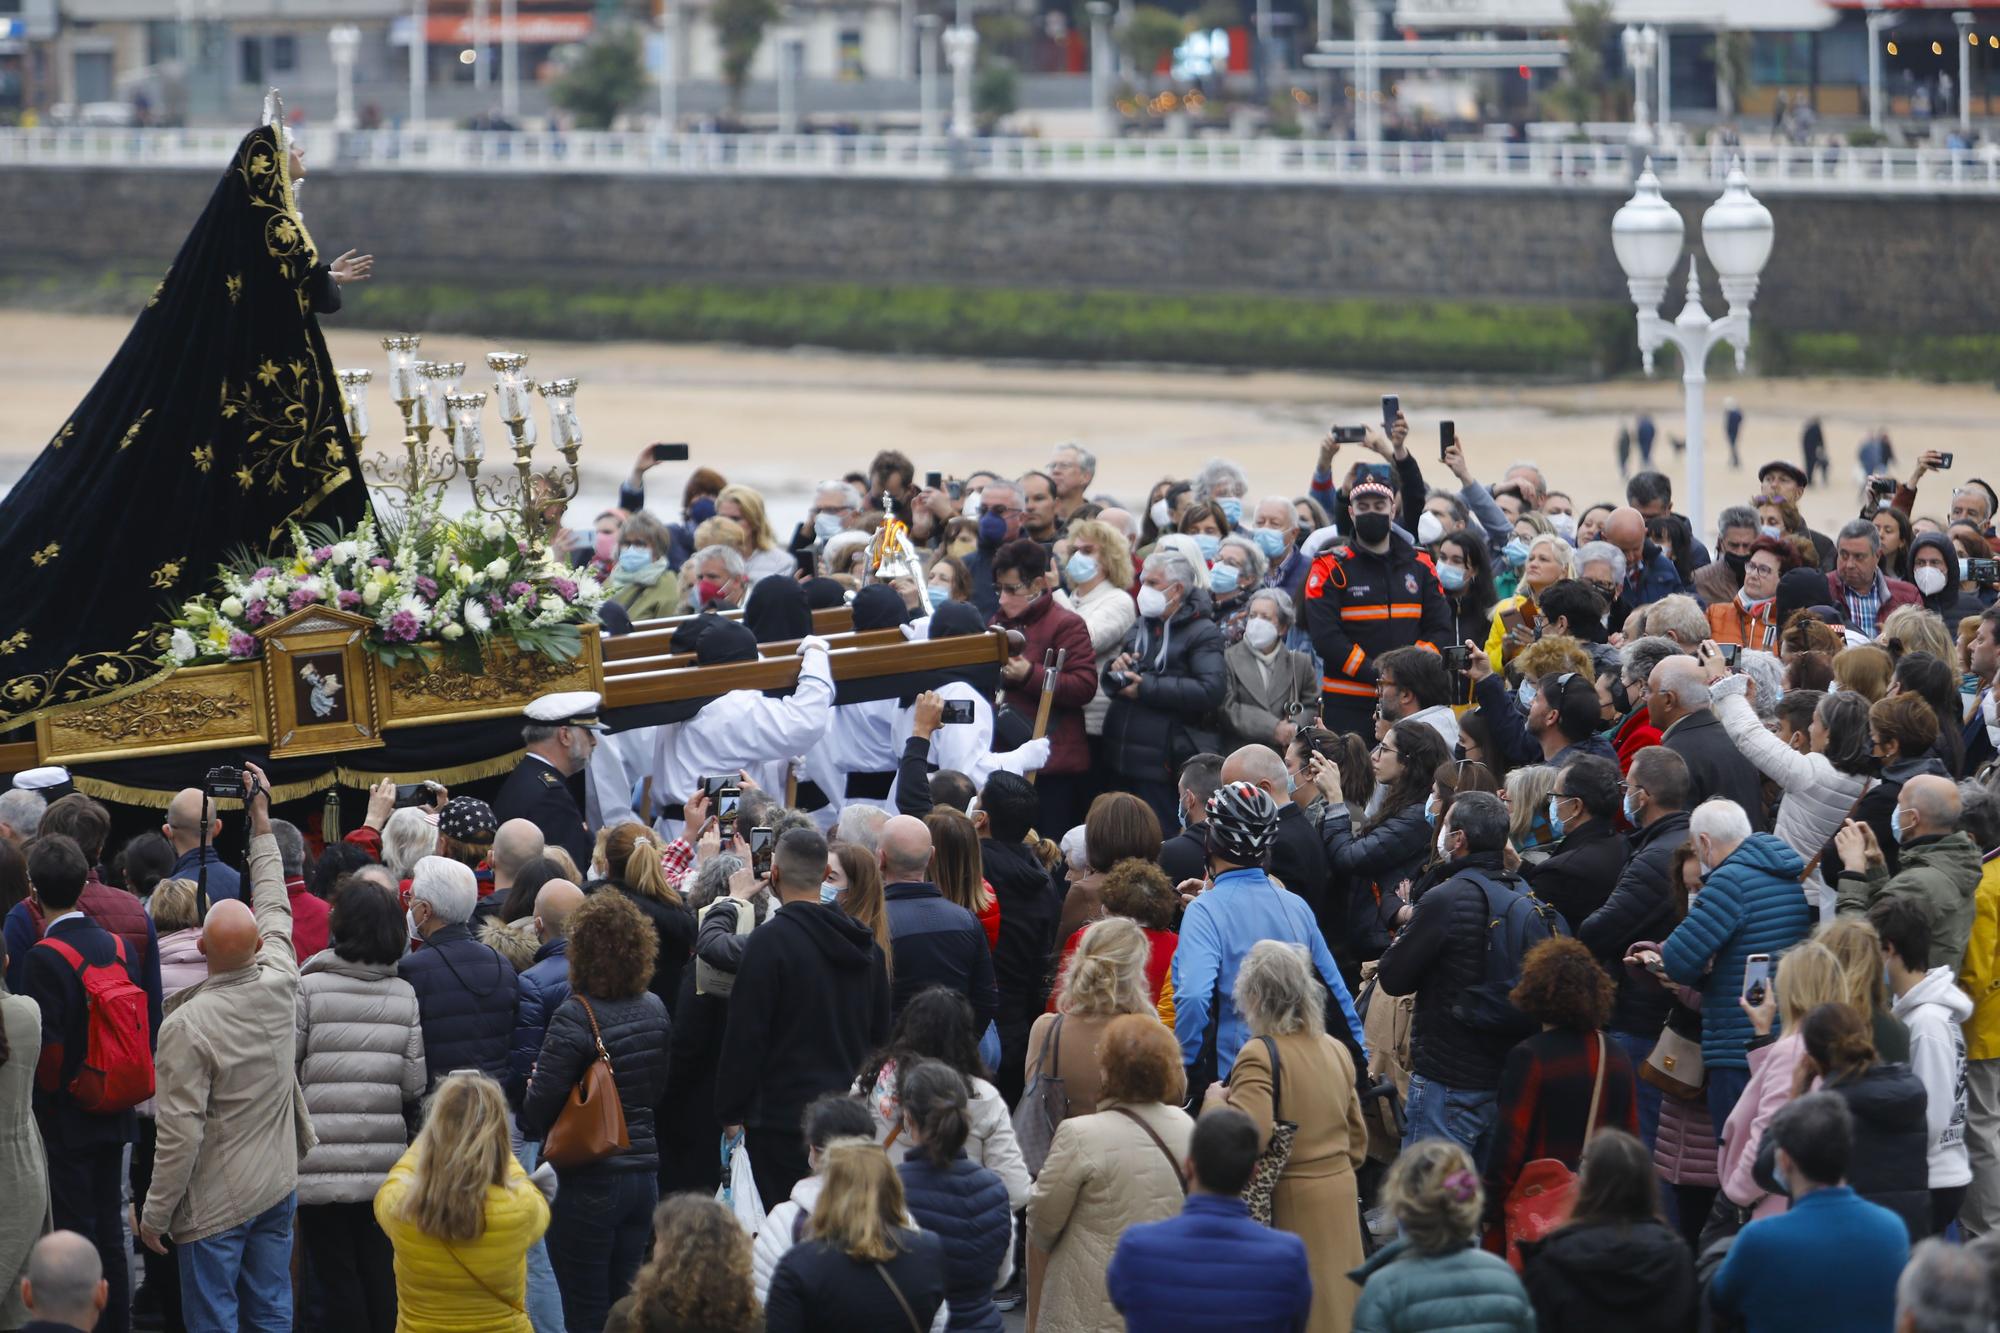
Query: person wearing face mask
[
  {"x": 1275, "y": 529},
  {"x": 1098, "y": 572},
  {"x": 1588, "y": 856},
  {"x": 1163, "y": 514},
  {"x": 1000, "y": 518},
  {"x": 1465, "y": 572},
  {"x": 641, "y": 576},
  {"x": 1934, "y": 569},
  {"x": 1238, "y": 569},
  {"x": 1365, "y": 597},
  {"x": 1735, "y": 532},
  {"x": 1940, "y": 865},
  {"x": 1166, "y": 684},
  {"x": 720, "y": 579},
  {"x": 1749, "y": 616},
  {"x": 1271, "y": 687},
  {"x": 1021, "y": 580}
]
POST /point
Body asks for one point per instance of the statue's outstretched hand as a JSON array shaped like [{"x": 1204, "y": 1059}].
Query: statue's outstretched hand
[{"x": 352, "y": 267}]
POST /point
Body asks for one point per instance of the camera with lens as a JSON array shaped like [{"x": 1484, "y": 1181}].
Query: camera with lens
[
  {"x": 1983, "y": 572},
  {"x": 1883, "y": 486},
  {"x": 224, "y": 783},
  {"x": 1118, "y": 680}
]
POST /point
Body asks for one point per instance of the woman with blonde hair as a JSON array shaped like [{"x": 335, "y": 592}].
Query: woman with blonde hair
[
  {"x": 860, "y": 1263},
  {"x": 1526, "y": 792},
  {"x": 1290, "y": 1066},
  {"x": 861, "y": 895},
  {"x": 1864, "y": 668},
  {"x": 1912, "y": 629},
  {"x": 1859, "y": 950},
  {"x": 1546, "y": 560},
  {"x": 762, "y": 556},
  {"x": 698, "y": 1277},
  {"x": 1099, "y": 576},
  {"x": 1808, "y": 976},
  {"x": 1103, "y": 979},
  {"x": 1106, "y": 1172},
  {"x": 461, "y": 1214},
  {"x": 1433, "y": 1278},
  {"x": 631, "y": 854}
]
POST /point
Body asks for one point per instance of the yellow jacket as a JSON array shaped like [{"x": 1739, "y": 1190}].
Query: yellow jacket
[
  {"x": 478, "y": 1286},
  {"x": 1979, "y": 974}
]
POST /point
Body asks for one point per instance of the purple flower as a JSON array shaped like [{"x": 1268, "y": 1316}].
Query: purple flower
[
  {"x": 494, "y": 603},
  {"x": 427, "y": 586},
  {"x": 564, "y": 589},
  {"x": 349, "y": 599},
  {"x": 265, "y": 572},
  {"x": 518, "y": 589},
  {"x": 381, "y": 562},
  {"x": 241, "y": 644},
  {"x": 322, "y": 554},
  {"x": 256, "y": 614},
  {"x": 402, "y": 628},
  {"x": 301, "y": 598}
]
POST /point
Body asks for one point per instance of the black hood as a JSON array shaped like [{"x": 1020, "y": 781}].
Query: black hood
[
  {"x": 725, "y": 641},
  {"x": 879, "y": 606},
  {"x": 688, "y": 635},
  {"x": 1889, "y": 1098},
  {"x": 956, "y": 619},
  {"x": 776, "y": 610},
  {"x": 841, "y": 940},
  {"x": 1629, "y": 1267}
]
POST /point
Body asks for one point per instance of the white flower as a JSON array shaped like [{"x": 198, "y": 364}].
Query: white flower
[
  {"x": 477, "y": 617},
  {"x": 453, "y": 631},
  {"x": 232, "y": 607},
  {"x": 372, "y": 594},
  {"x": 415, "y": 606},
  {"x": 492, "y": 529},
  {"x": 463, "y": 574},
  {"x": 180, "y": 646},
  {"x": 553, "y": 605},
  {"x": 343, "y": 552},
  {"x": 280, "y": 586},
  {"x": 195, "y": 613},
  {"x": 256, "y": 590},
  {"x": 497, "y": 570}
]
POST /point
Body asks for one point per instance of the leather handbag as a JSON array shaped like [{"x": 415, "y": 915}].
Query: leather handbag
[
  {"x": 1675, "y": 1065},
  {"x": 591, "y": 1125},
  {"x": 1277, "y": 1154},
  {"x": 1044, "y": 1103},
  {"x": 1545, "y": 1191}
]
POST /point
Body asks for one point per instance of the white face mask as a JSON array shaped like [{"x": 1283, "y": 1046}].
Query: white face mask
[
  {"x": 1565, "y": 526},
  {"x": 1260, "y": 634},
  {"x": 1163, "y": 516},
  {"x": 1930, "y": 580},
  {"x": 1429, "y": 528},
  {"x": 1444, "y": 843},
  {"x": 1152, "y": 603},
  {"x": 973, "y": 506}
]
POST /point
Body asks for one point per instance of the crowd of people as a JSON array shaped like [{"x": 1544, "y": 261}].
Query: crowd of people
[{"x": 1411, "y": 907}]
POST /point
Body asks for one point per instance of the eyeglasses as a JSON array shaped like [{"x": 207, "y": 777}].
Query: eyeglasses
[{"x": 1013, "y": 589}]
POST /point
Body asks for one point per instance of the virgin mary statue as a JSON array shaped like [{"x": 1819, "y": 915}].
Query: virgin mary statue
[{"x": 217, "y": 423}]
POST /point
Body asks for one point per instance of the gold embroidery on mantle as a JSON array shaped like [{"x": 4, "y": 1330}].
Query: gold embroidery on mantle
[
  {"x": 168, "y": 574},
  {"x": 13, "y": 643},
  {"x": 204, "y": 456},
  {"x": 64, "y": 435},
  {"x": 46, "y": 554},
  {"x": 132, "y": 431}
]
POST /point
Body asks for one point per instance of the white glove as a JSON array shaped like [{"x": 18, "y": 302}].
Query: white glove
[
  {"x": 1035, "y": 755},
  {"x": 543, "y": 1178},
  {"x": 812, "y": 641}
]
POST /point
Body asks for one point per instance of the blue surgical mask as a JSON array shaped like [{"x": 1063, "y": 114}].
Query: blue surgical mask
[
  {"x": 1515, "y": 552},
  {"x": 826, "y": 525},
  {"x": 1555, "y": 820},
  {"x": 1771, "y": 530},
  {"x": 939, "y": 596},
  {"x": 1431, "y": 809},
  {"x": 1224, "y": 578},
  {"x": 1896, "y": 825},
  {"x": 1631, "y": 810},
  {"x": 1232, "y": 508},
  {"x": 1524, "y": 693},
  {"x": 1452, "y": 577},
  {"x": 1270, "y": 541},
  {"x": 632, "y": 559},
  {"x": 1081, "y": 569},
  {"x": 702, "y": 510},
  {"x": 992, "y": 529},
  {"x": 1209, "y": 543},
  {"x": 829, "y": 892}
]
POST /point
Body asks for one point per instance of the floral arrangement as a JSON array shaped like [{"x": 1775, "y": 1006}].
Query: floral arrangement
[{"x": 431, "y": 585}]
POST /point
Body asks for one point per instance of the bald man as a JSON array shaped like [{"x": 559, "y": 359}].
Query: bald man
[
  {"x": 545, "y": 984},
  {"x": 1938, "y": 863},
  {"x": 515, "y": 843},
  {"x": 1298, "y": 857},
  {"x": 64, "y": 1286},
  {"x": 231, "y": 1119},
  {"x": 936, "y": 942},
  {"x": 1649, "y": 570},
  {"x": 186, "y": 813}
]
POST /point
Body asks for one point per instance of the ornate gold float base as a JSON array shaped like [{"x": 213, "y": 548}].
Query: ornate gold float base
[
  {"x": 413, "y": 694},
  {"x": 195, "y": 708}
]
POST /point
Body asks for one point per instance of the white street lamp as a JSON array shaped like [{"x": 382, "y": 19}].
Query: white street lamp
[
  {"x": 1101, "y": 57},
  {"x": 1646, "y": 236},
  {"x": 342, "y": 41},
  {"x": 1640, "y": 45},
  {"x": 961, "y": 50}
]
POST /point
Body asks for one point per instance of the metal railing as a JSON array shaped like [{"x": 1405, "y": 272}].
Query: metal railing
[{"x": 1458, "y": 165}]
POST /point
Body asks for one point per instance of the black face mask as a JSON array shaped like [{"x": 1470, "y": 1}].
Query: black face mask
[
  {"x": 1736, "y": 563},
  {"x": 1371, "y": 528}
]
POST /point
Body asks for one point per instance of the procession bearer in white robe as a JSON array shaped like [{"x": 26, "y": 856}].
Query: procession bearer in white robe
[
  {"x": 856, "y": 763},
  {"x": 967, "y": 747}
]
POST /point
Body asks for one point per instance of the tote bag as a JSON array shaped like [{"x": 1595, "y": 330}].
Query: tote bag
[{"x": 1546, "y": 1190}]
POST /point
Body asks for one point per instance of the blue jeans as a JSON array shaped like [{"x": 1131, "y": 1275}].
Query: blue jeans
[
  {"x": 597, "y": 1239},
  {"x": 1725, "y": 1089},
  {"x": 1638, "y": 1046},
  {"x": 241, "y": 1278},
  {"x": 545, "y": 1310},
  {"x": 1434, "y": 1111}
]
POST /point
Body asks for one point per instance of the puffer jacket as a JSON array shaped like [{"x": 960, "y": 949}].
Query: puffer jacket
[
  {"x": 476, "y": 1286},
  {"x": 1180, "y": 696},
  {"x": 1818, "y": 796},
  {"x": 1943, "y": 871},
  {"x": 966, "y": 1206},
  {"x": 465, "y": 995},
  {"x": 1772, "y": 1068},
  {"x": 1980, "y": 973},
  {"x": 1751, "y": 903},
  {"x": 1890, "y": 1165},
  {"x": 635, "y": 1033},
  {"x": 361, "y": 1062},
  {"x": 1685, "y": 1152},
  {"x": 1373, "y": 864},
  {"x": 1465, "y": 1291},
  {"x": 182, "y": 962},
  {"x": 1636, "y": 1277},
  {"x": 543, "y": 988},
  {"x": 1439, "y": 955},
  {"x": 1640, "y": 907}
]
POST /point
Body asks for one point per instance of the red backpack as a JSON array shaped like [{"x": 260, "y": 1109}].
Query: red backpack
[{"x": 117, "y": 1070}]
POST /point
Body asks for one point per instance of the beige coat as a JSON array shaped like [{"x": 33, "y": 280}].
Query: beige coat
[
  {"x": 24, "y": 1172},
  {"x": 233, "y": 1123},
  {"x": 1104, "y": 1174}
]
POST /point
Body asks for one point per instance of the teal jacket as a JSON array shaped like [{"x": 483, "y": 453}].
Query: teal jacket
[
  {"x": 1465, "y": 1291},
  {"x": 1751, "y": 903}
]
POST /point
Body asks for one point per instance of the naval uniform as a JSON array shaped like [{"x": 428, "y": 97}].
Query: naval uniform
[{"x": 537, "y": 792}]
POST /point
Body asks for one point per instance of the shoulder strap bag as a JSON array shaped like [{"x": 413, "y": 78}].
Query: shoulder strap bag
[
  {"x": 916, "y": 1324},
  {"x": 591, "y": 1126},
  {"x": 516, "y": 1306},
  {"x": 1044, "y": 1103},
  {"x": 1545, "y": 1191},
  {"x": 1813, "y": 864},
  {"x": 1259, "y": 1194},
  {"x": 1158, "y": 1142}
]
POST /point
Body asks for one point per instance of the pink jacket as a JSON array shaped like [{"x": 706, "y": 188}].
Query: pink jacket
[
  {"x": 1771, "y": 1071},
  {"x": 181, "y": 963},
  {"x": 1685, "y": 1153}
]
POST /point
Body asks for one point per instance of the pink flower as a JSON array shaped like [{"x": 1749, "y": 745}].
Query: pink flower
[
  {"x": 322, "y": 554},
  {"x": 301, "y": 598},
  {"x": 241, "y": 644},
  {"x": 494, "y": 603},
  {"x": 265, "y": 572},
  {"x": 427, "y": 587},
  {"x": 564, "y": 589},
  {"x": 518, "y": 590},
  {"x": 349, "y": 599},
  {"x": 381, "y": 562},
  {"x": 402, "y": 628},
  {"x": 256, "y": 614}
]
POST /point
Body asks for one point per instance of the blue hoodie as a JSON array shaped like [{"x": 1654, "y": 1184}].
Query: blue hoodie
[{"x": 1751, "y": 903}]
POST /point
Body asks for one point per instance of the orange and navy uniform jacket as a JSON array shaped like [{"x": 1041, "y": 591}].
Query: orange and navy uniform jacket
[{"x": 1359, "y": 605}]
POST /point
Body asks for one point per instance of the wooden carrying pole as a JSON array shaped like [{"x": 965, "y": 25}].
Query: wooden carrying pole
[
  {"x": 1052, "y": 665},
  {"x": 777, "y": 673},
  {"x": 874, "y": 638}
]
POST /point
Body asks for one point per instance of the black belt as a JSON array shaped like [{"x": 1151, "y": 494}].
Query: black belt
[
  {"x": 870, "y": 786},
  {"x": 673, "y": 812}
]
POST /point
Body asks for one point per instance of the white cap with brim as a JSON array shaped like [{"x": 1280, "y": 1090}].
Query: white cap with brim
[
  {"x": 573, "y": 708},
  {"x": 46, "y": 781}
]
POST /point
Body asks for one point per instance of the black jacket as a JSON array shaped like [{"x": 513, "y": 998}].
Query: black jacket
[
  {"x": 817, "y": 1289},
  {"x": 1299, "y": 860},
  {"x": 1440, "y": 954},
  {"x": 810, "y": 1002},
  {"x": 465, "y": 1003},
  {"x": 1185, "y": 856},
  {"x": 688, "y": 1129},
  {"x": 1890, "y": 1164},
  {"x": 534, "y": 791},
  {"x": 1640, "y": 908},
  {"x": 1372, "y": 864},
  {"x": 1580, "y": 872},
  {"x": 1635, "y": 1277},
  {"x": 1030, "y": 911},
  {"x": 635, "y": 1033},
  {"x": 1173, "y": 719},
  {"x": 1716, "y": 767},
  {"x": 1359, "y": 605},
  {"x": 965, "y": 1206},
  {"x": 938, "y": 943},
  {"x": 676, "y": 928}
]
